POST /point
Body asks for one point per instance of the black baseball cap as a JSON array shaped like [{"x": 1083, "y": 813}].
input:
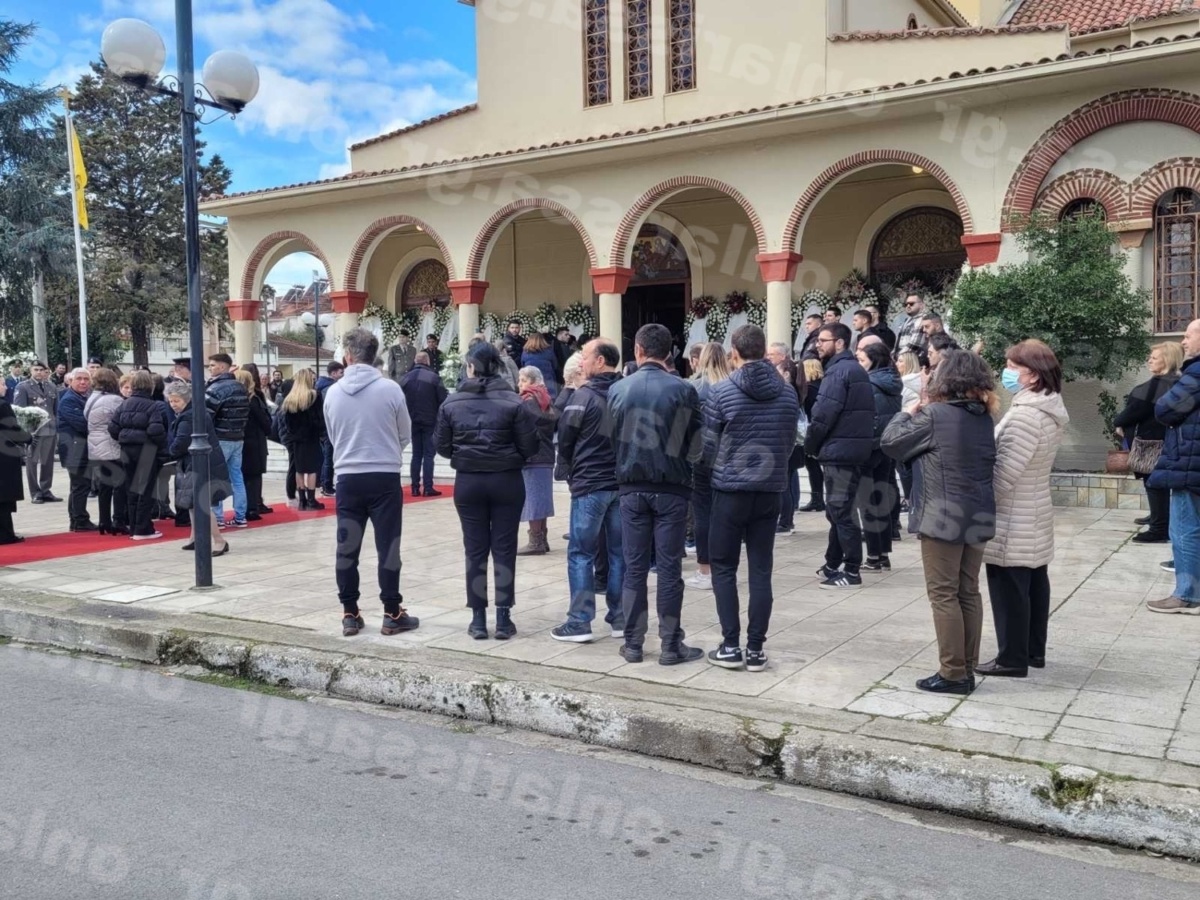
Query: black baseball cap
[{"x": 185, "y": 361}]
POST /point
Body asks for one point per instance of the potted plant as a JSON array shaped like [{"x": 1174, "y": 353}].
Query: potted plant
[{"x": 1117, "y": 462}]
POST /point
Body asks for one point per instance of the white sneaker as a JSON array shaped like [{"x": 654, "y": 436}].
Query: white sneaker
[
  {"x": 699, "y": 580},
  {"x": 146, "y": 537}
]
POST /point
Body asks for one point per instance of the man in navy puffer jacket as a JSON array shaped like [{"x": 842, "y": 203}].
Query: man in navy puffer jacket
[
  {"x": 1179, "y": 470},
  {"x": 749, "y": 433},
  {"x": 841, "y": 434}
]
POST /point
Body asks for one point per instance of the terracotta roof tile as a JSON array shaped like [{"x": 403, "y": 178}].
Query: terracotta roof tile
[
  {"x": 946, "y": 32},
  {"x": 470, "y": 107},
  {"x": 657, "y": 129},
  {"x": 296, "y": 350},
  {"x": 1086, "y": 16}
]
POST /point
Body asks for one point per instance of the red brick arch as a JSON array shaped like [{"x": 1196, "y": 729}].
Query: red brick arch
[
  {"x": 365, "y": 245},
  {"x": 827, "y": 179},
  {"x": 1109, "y": 190},
  {"x": 1148, "y": 188},
  {"x": 264, "y": 248},
  {"x": 494, "y": 225},
  {"x": 637, "y": 214},
  {"x": 1139, "y": 105}
]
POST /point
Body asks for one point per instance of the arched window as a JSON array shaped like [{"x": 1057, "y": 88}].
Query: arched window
[
  {"x": 638, "y": 68},
  {"x": 1176, "y": 260},
  {"x": 597, "y": 79},
  {"x": 1084, "y": 206},
  {"x": 425, "y": 283},
  {"x": 912, "y": 23},
  {"x": 659, "y": 257},
  {"x": 924, "y": 244}
]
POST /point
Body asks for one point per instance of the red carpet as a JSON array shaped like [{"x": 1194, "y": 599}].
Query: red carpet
[{"x": 37, "y": 548}]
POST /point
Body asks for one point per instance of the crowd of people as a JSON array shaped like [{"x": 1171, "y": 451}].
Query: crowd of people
[{"x": 659, "y": 467}]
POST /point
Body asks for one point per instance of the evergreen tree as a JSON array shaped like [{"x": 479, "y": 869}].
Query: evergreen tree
[
  {"x": 132, "y": 148},
  {"x": 35, "y": 212}
]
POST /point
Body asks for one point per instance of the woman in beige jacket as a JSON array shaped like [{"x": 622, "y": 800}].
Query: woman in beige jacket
[{"x": 1018, "y": 557}]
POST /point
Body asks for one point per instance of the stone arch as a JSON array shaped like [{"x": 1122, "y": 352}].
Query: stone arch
[
  {"x": 1109, "y": 190},
  {"x": 638, "y": 214},
  {"x": 1148, "y": 188},
  {"x": 482, "y": 247},
  {"x": 254, "y": 272},
  {"x": 868, "y": 158},
  {"x": 376, "y": 232},
  {"x": 1139, "y": 105}
]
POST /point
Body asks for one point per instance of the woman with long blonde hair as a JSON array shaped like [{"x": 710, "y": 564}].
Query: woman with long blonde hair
[
  {"x": 305, "y": 420},
  {"x": 713, "y": 367}
]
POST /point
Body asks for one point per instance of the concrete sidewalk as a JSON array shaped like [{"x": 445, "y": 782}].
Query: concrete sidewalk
[{"x": 1118, "y": 696}]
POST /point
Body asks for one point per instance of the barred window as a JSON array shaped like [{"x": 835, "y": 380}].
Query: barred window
[
  {"x": 596, "y": 52},
  {"x": 1177, "y": 260},
  {"x": 638, "y": 69},
  {"x": 1081, "y": 208},
  {"x": 683, "y": 45}
]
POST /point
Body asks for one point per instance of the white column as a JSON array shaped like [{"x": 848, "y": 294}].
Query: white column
[
  {"x": 245, "y": 341},
  {"x": 468, "y": 323},
  {"x": 779, "y": 312},
  {"x": 610, "y": 317},
  {"x": 346, "y": 322}
]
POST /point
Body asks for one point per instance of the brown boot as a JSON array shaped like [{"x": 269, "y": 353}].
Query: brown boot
[{"x": 538, "y": 544}]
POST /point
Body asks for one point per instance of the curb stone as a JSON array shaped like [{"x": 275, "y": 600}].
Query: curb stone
[{"x": 1070, "y": 801}]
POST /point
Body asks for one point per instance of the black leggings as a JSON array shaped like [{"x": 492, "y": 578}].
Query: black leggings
[{"x": 489, "y": 507}]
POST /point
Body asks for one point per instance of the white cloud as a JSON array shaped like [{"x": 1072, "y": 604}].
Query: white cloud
[{"x": 333, "y": 170}]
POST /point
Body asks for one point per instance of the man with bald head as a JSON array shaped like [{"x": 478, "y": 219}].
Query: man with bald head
[{"x": 1178, "y": 470}]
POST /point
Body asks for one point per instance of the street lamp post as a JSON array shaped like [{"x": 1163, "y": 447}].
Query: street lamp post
[
  {"x": 134, "y": 52},
  {"x": 317, "y": 321}
]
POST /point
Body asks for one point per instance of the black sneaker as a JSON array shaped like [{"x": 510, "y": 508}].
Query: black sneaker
[
  {"x": 352, "y": 624},
  {"x": 680, "y": 653},
  {"x": 784, "y": 529},
  {"x": 1167, "y": 565},
  {"x": 883, "y": 564},
  {"x": 727, "y": 657},
  {"x": 631, "y": 654},
  {"x": 239, "y": 523},
  {"x": 825, "y": 572},
  {"x": 402, "y": 621},
  {"x": 841, "y": 581},
  {"x": 756, "y": 660}
]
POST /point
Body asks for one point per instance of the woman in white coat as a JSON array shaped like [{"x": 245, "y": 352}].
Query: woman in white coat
[{"x": 1018, "y": 557}]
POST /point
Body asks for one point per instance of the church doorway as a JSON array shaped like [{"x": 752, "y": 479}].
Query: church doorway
[{"x": 660, "y": 288}]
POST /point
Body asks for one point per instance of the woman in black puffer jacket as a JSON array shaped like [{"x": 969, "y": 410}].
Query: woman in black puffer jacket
[
  {"x": 882, "y": 499},
  {"x": 487, "y": 433},
  {"x": 140, "y": 427}
]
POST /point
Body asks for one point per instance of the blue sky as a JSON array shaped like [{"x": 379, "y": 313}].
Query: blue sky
[{"x": 333, "y": 72}]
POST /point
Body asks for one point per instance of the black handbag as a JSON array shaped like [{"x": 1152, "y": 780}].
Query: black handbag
[{"x": 185, "y": 490}]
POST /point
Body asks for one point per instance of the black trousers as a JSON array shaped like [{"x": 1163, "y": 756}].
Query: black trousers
[
  {"x": 1021, "y": 610},
  {"x": 80, "y": 487},
  {"x": 652, "y": 528},
  {"x": 879, "y": 501},
  {"x": 787, "y": 500},
  {"x": 841, "y": 498},
  {"x": 254, "y": 497},
  {"x": 6, "y": 525},
  {"x": 739, "y": 518},
  {"x": 816, "y": 479},
  {"x": 489, "y": 508},
  {"x": 1159, "y": 500},
  {"x": 289, "y": 483},
  {"x": 109, "y": 478},
  {"x": 141, "y": 476},
  {"x": 378, "y": 498},
  {"x": 702, "y": 510}
]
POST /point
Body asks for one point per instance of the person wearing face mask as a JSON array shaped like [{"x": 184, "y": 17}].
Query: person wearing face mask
[{"x": 1018, "y": 557}]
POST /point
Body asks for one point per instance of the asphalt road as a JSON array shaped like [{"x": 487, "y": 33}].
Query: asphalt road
[{"x": 123, "y": 782}]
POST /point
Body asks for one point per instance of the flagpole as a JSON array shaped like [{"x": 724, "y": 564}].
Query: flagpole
[{"x": 70, "y": 130}]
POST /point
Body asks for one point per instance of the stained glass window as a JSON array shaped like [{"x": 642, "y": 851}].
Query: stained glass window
[
  {"x": 683, "y": 45},
  {"x": 595, "y": 52},
  {"x": 425, "y": 283},
  {"x": 638, "y": 68},
  {"x": 1176, "y": 260}
]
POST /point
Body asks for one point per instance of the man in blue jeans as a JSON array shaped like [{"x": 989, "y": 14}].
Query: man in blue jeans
[
  {"x": 656, "y": 422},
  {"x": 1179, "y": 469},
  {"x": 585, "y": 448},
  {"x": 229, "y": 405}
]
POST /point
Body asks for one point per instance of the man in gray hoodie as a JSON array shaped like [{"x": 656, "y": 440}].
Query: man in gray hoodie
[{"x": 368, "y": 425}]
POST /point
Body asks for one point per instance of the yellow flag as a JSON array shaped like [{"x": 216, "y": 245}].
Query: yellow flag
[{"x": 81, "y": 178}]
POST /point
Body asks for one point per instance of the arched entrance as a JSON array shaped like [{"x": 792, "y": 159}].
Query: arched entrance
[
  {"x": 922, "y": 244},
  {"x": 661, "y": 284},
  {"x": 426, "y": 283}
]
